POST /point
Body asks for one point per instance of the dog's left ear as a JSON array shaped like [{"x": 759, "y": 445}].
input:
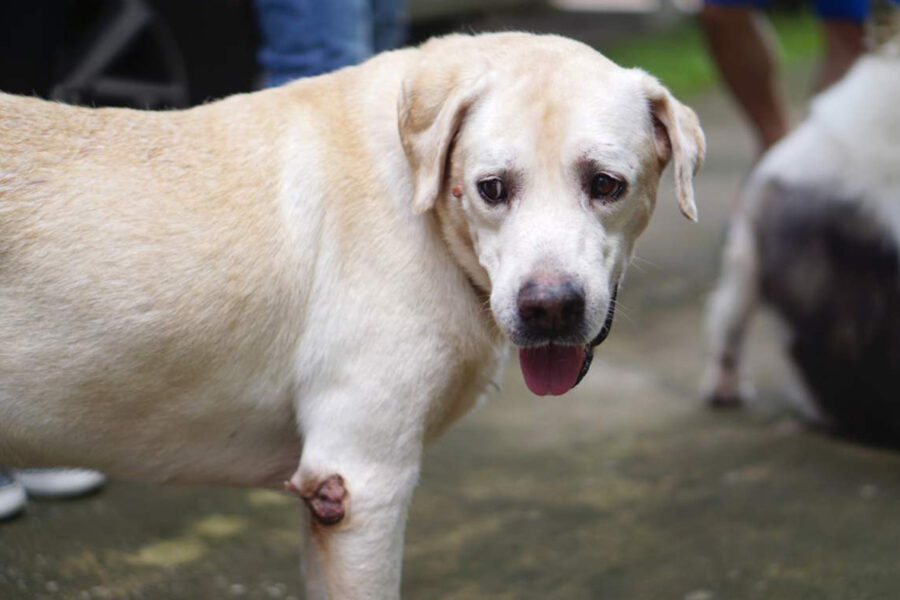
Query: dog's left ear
[
  {"x": 431, "y": 108},
  {"x": 677, "y": 134}
]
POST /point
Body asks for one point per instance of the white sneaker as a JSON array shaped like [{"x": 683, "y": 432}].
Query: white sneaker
[
  {"x": 12, "y": 496},
  {"x": 59, "y": 483}
]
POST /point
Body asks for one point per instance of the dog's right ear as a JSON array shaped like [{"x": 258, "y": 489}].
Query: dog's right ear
[
  {"x": 677, "y": 134},
  {"x": 431, "y": 108}
]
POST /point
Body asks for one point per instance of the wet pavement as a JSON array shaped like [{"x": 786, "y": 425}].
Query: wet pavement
[{"x": 628, "y": 488}]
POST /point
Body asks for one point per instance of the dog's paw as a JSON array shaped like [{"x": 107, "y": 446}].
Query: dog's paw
[
  {"x": 723, "y": 388},
  {"x": 326, "y": 498},
  {"x": 725, "y": 400}
]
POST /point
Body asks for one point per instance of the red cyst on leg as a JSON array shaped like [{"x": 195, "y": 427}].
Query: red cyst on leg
[
  {"x": 325, "y": 499},
  {"x": 326, "y": 503}
]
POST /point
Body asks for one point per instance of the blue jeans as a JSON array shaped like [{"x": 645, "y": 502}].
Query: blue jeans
[
  {"x": 301, "y": 38},
  {"x": 842, "y": 10}
]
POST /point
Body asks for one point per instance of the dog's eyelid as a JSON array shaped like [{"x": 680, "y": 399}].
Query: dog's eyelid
[
  {"x": 587, "y": 168},
  {"x": 500, "y": 172}
]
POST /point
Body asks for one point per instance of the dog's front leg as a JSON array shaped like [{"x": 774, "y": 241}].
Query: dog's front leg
[
  {"x": 730, "y": 311},
  {"x": 356, "y": 476},
  {"x": 354, "y": 543}
]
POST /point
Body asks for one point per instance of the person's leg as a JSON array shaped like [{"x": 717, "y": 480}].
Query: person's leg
[
  {"x": 301, "y": 38},
  {"x": 844, "y": 34},
  {"x": 744, "y": 48}
]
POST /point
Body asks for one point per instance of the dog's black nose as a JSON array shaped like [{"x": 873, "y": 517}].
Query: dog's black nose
[{"x": 551, "y": 308}]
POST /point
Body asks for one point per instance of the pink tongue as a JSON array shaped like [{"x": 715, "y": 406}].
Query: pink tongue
[{"x": 551, "y": 369}]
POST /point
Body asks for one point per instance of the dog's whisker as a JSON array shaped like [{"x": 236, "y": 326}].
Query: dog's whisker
[
  {"x": 635, "y": 258},
  {"x": 637, "y": 267},
  {"x": 623, "y": 312}
]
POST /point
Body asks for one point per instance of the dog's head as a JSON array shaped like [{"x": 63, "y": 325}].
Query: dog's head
[{"x": 541, "y": 159}]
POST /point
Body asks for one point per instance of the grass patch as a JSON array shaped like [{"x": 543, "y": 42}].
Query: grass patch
[{"x": 679, "y": 57}]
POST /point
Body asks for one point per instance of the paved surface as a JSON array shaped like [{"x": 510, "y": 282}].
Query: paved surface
[{"x": 626, "y": 489}]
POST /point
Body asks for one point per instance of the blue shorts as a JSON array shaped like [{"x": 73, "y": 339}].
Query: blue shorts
[{"x": 843, "y": 10}]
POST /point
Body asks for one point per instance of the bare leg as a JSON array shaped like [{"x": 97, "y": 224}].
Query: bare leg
[
  {"x": 844, "y": 42},
  {"x": 743, "y": 46},
  {"x": 728, "y": 317}
]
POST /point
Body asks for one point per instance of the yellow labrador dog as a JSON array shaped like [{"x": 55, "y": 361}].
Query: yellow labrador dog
[{"x": 292, "y": 285}]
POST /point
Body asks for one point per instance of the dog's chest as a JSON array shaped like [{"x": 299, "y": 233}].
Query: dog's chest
[{"x": 472, "y": 381}]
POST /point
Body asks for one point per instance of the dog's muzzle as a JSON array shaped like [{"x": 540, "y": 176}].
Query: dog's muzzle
[{"x": 601, "y": 336}]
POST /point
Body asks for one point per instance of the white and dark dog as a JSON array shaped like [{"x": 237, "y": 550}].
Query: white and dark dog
[
  {"x": 817, "y": 238},
  {"x": 292, "y": 285}
]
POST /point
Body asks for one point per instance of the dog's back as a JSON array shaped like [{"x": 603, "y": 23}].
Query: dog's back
[{"x": 130, "y": 247}]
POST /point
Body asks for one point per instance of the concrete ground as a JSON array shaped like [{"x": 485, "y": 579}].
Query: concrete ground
[{"x": 628, "y": 488}]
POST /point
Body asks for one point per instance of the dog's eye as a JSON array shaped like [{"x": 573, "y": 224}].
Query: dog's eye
[
  {"x": 492, "y": 190},
  {"x": 606, "y": 187}
]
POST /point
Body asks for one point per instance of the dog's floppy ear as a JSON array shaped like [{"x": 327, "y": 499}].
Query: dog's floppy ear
[
  {"x": 677, "y": 134},
  {"x": 431, "y": 108}
]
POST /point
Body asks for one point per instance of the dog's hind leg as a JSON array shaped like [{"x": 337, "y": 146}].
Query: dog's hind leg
[
  {"x": 356, "y": 476},
  {"x": 729, "y": 314}
]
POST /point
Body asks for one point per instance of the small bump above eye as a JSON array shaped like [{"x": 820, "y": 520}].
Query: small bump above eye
[{"x": 493, "y": 190}]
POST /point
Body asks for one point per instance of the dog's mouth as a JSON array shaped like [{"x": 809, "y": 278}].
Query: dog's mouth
[{"x": 554, "y": 369}]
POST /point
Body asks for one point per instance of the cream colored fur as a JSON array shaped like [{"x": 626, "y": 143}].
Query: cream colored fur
[{"x": 280, "y": 285}]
